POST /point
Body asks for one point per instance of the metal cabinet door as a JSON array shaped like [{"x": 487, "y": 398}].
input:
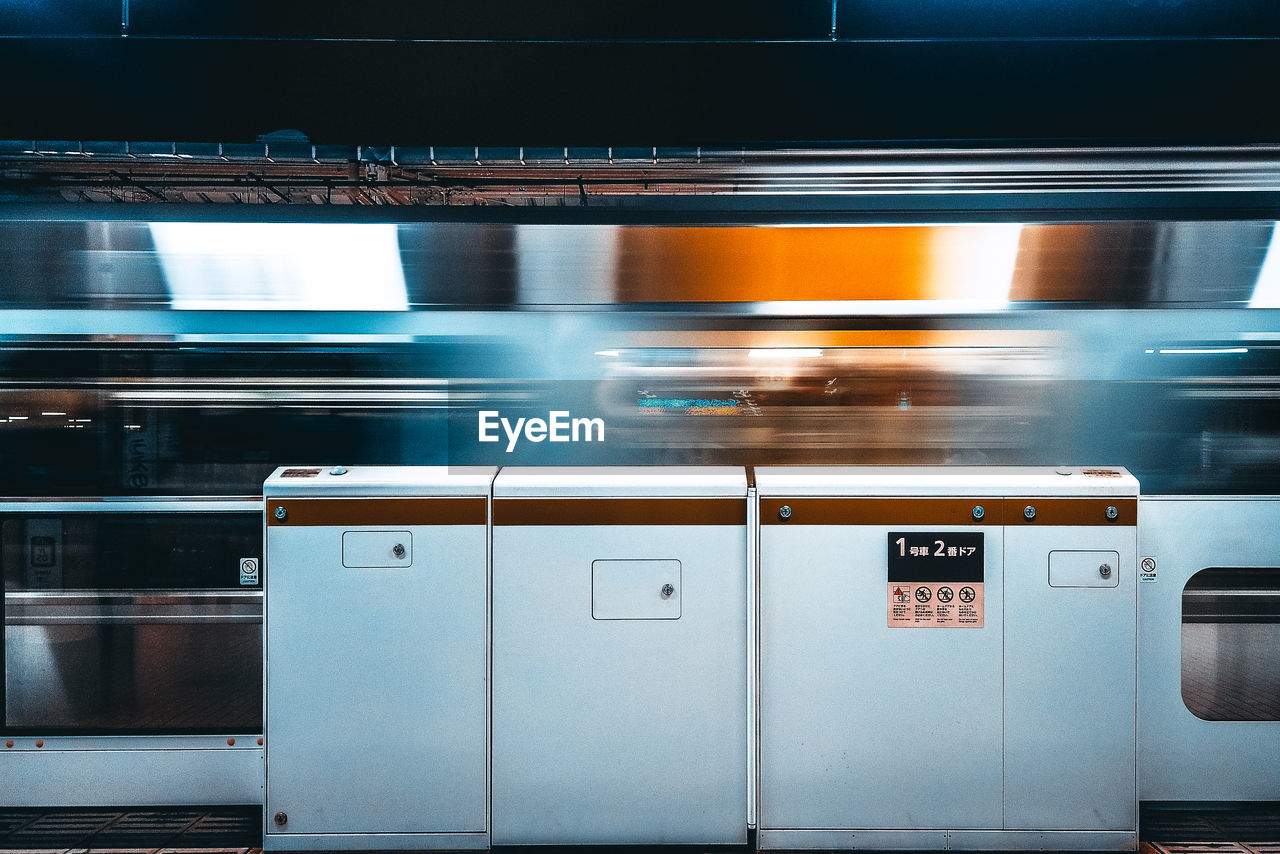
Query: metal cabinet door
[
  {"x": 1070, "y": 744},
  {"x": 1185, "y": 758},
  {"x": 376, "y": 684},
  {"x": 630, "y": 728},
  {"x": 862, "y": 725}
]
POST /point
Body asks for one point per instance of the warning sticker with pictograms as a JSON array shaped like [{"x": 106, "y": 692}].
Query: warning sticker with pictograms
[{"x": 936, "y": 579}]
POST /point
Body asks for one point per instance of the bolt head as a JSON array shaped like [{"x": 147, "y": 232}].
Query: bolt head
[
  {"x": 784, "y": 512},
  {"x": 280, "y": 818},
  {"x": 1028, "y": 512},
  {"x": 1113, "y": 513},
  {"x": 979, "y": 511},
  {"x": 282, "y": 514},
  {"x": 338, "y": 470}
]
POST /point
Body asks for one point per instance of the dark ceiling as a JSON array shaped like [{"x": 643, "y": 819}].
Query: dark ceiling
[{"x": 629, "y": 72}]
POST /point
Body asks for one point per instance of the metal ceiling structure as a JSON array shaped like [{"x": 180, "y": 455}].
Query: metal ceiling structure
[{"x": 298, "y": 173}]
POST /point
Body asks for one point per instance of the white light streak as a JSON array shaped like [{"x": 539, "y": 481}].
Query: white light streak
[
  {"x": 785, "y": 353},
  {"x": 272, "y": 266}
]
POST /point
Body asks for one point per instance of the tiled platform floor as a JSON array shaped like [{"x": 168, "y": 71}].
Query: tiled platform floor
[
  {"x": 1248, "y": 829},
  {"x": 101, "y": 830}
]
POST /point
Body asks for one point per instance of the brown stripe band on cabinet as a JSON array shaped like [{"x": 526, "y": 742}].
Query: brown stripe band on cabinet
[
  {"x": 1071, "y": 511},
  {"x": 1065, "y": 512},
  {"x": 881, "y": 511},
  {"x": 619, "y": 511},
  {"x": 307, "y": 512}
]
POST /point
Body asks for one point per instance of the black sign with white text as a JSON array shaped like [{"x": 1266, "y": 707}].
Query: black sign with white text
[{"x": 923, "y": 556}]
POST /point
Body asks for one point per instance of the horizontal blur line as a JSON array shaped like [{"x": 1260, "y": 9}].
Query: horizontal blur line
[
  {"x": 238, "y": 384},
  {"x": 1229, "y": 394},
  {"x": 338, "y": 410},
  {"x": 599, "y": 40},
  {"x": 216, "y": 396},
  {"x": 1202, "y": 351}
]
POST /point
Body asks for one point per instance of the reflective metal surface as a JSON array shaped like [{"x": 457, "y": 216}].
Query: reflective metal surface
[
  {"x": 146, "y": 607},
  {"x": 132, "y": 676}
]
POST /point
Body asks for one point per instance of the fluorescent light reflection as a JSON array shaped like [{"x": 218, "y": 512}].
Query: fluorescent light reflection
[
  {"x": 1202, "y": 351},
  {"x": 275, "y": 266},
  {"x": 784, "y": 353},
  {"x": 975, "y": 262},
  {"x": 1266, "y": 291}
]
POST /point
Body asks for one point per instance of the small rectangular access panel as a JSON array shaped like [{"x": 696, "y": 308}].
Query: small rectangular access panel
[
  {"x": 1084, "y": 569},
  {"x": 635, "y": 589},
  {"x": 377, "y": 548}
]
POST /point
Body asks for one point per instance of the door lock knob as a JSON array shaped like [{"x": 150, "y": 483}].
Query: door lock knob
[{"x": 667, "y": 591}]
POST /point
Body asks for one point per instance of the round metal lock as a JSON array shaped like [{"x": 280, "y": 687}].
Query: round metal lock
[
  {"x": 1112, "y": 513},
  {"x": 398, "y": 550},
  {"x": 1028, "y": 513},
  {"x": 667, "y": 591},
  {"x": 784, "y": 512},
  {"x": 280, "y": 818},
  {"x": 978, "y": 512},
  {"x": 1105, "y": 570},
  {"x": 282, "y": 514}
]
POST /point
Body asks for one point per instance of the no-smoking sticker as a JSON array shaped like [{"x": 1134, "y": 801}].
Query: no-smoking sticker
[{"x": 248, "y": 571}]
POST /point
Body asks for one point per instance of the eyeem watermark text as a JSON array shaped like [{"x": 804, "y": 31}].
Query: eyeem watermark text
[{"x": 559, "y": 426}]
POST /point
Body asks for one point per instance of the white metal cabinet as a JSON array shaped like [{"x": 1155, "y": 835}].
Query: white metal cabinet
[
  {"x": 619, "y": 705},
  {"x": 376, "y": 659},
  {"x": 907, "y": 726}
]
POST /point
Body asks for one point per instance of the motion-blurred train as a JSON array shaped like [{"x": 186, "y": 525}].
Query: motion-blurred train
[{"x": 156, "y": 368}]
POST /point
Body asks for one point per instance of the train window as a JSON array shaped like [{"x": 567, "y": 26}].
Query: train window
[
  {"x": 147, "y": 622},
  {"x": 1231, "y": 644}
]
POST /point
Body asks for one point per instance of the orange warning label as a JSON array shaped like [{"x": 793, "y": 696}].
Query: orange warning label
[{"x": 935, "y": 604}]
